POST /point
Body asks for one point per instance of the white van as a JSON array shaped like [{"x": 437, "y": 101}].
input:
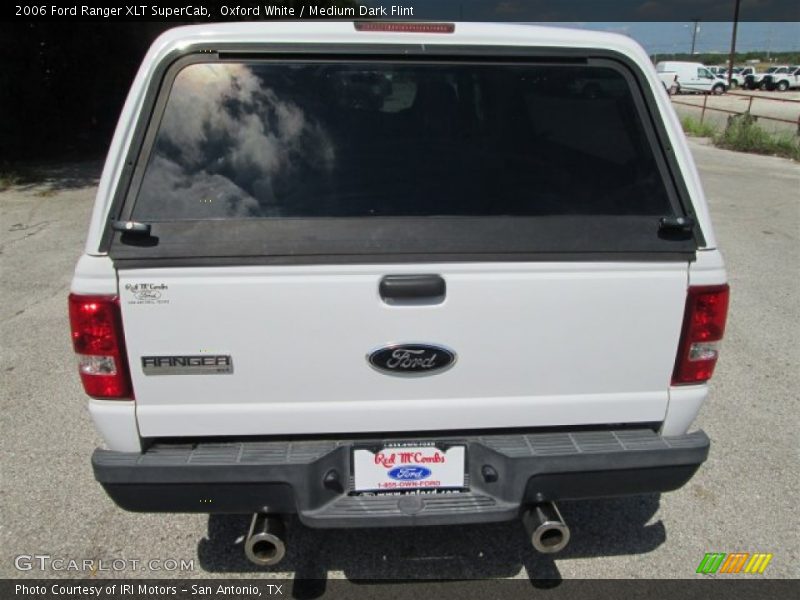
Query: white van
[{"x": 693, "y": 77}]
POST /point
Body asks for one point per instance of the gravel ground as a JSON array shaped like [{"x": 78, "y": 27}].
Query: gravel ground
[{"x": 743, "y": 499}]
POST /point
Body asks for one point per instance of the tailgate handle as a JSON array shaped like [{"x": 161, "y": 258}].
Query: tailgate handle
[{"x": 411, "y": 289}]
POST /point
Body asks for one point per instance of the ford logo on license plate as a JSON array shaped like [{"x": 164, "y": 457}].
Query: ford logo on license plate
[
  {"x": 411, "y": 359},
  {"x": 411, "y": 473}
]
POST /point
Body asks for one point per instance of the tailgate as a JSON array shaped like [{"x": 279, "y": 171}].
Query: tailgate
[{"x": 535, "y": 344}]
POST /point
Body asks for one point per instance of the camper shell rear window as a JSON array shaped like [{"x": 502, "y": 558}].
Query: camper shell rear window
[{"x": 302, "y": 157}]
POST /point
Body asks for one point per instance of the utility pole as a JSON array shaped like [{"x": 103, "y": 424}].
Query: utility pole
[
  {"x": 732, "y": 56},
  {"x": 695, "y": 29},
  {"x": 769, "y": 42}
]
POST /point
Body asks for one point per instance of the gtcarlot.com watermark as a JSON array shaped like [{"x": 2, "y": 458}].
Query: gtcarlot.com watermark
[{"x": 46, "y": 562}]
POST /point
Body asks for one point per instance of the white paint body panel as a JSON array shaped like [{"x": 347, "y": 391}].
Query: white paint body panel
[
  {"x": 94, "y": 275},
  {"x": 684, "y": 405},
  {"x": 115, "y": 420},
  {"x": 708, "y": 269},
  {"x": 537, "y": 344}
]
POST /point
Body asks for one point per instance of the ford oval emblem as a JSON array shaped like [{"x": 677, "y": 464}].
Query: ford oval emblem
[
  {"x": 409, "y": 473},
  {"x": 412, "y": 359}
]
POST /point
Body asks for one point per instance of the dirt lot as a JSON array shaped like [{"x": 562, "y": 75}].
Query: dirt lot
[{"x": 743, "y": 499}]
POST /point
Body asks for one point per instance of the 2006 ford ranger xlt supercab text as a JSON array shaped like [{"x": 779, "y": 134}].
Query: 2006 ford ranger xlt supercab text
[{"x": 392, "y": 274}]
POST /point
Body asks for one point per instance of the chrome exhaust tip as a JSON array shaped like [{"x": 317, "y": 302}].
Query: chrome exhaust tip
[
  {"x": 265, "y": 543},
  {"x": 546, "y": 528}
]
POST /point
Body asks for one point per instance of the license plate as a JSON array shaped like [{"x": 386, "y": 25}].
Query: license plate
[{"x": 397, "y": 468}]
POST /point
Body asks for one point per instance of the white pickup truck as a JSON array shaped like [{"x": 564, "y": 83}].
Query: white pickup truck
[
  {"x": 396, "y": 274},
  {"x": 739, "y": 74},
  {"x": 758, "y": 81},
  {"x": 785, "y": 78}
]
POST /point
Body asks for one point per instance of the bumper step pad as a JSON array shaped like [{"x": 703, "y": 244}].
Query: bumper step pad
[{"x": 290, "y": 477}]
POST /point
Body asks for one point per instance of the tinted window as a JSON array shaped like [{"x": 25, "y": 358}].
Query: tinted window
[{"x": 262, "y": 139}]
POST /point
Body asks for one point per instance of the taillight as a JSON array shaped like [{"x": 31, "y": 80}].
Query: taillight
[
  {"x": 98, "y": 340},
  {"x": 703, "y": 328}
]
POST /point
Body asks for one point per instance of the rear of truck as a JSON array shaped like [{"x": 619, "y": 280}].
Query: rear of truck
[{"x": 396, "y": 275}]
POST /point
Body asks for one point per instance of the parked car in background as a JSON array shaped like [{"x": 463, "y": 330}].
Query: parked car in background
[
  {"x": 723, "y": 77},
  {"x": 692, "y": 77},
  {"x": 670, "y": 81},
  {"x": 782, "y": 79},
  {"x": 755, "y": 81},
  {"x": 739, "y": 75}
]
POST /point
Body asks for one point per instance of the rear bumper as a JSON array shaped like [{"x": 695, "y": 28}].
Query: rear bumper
[{"x": 290, "y": 477}]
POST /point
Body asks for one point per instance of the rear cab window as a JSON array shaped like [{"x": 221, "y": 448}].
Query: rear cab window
[{"x": 368, "y": 159}]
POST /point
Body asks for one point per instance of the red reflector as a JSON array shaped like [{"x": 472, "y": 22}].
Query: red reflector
[
  {"x": 703, "y": 327},
  {"x": 97, "y": 338},
  {"x": 395, "y": 27}
]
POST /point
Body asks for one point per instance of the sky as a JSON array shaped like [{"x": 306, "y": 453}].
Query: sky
[
  {"x": 661, "y": 26},
  {"x": 672, "y": 37}
]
